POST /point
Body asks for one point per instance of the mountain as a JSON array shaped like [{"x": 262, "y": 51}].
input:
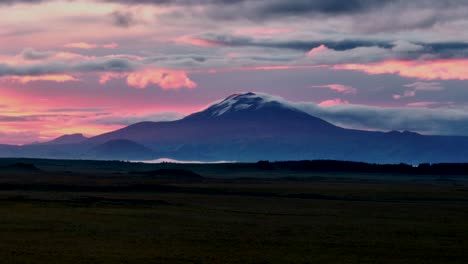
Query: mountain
[
  {"x": 68, "y": 139},
  {"x": 252, "y": 127},
  {"x": 120, "y": 149},
  {"x": 242, "y": 127}
]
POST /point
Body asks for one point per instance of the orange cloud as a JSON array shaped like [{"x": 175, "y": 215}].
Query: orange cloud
[{"x": 428, "y": 70}]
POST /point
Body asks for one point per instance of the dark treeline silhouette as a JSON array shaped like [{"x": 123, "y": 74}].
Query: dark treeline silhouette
[{"x": 361, "y": 167}]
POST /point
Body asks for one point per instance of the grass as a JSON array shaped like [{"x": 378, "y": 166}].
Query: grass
[{"x": 321, "y": 220}]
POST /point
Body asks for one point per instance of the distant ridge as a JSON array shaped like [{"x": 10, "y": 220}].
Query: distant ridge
[
  {"x": 120, "y": 149},
  {"x": 68, "y": 139}
]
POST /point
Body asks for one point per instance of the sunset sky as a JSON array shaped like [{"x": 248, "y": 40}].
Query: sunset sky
[{"x": 92, "y": 66}]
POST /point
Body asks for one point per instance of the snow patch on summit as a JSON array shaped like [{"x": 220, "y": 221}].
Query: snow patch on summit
[{"x": 242, "y": 101}]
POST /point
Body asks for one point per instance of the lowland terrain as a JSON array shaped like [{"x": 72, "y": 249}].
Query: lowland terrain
[{"x": 60, "y": 211}]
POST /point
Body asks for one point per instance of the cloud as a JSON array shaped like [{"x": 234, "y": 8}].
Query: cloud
[
  {"x": 4, "y": 118},
  {"x": 418, "y": 86},
  {"x": 123, "y": 19},
  {"x": 58, "y": 68},
  {"x": 416, "y": 118},
  {"x": 32, "y": 54},
  {"x": 425, "y": 86},
  {"x": 19, "y": 137},
  {"x": 426, "y": 70},
  {"x": 338, "y": 88},
  {"x": 412, "y": 15},
  {"x": 60, "y": 78},
  {"x": 197, "y": 42},
  {"x": 87, "y": 46},
  {"x": 430, "y": 104},
  {"x": 164, "y": 78},
  {"x": 337, "y": 51},
  {"x": 77, "y": 109},
  {"x": 133, "y": 119},
  {"x": 266, "y": 9},
  {"x": 317, "y": 50},
  {"x": 333, "y": 102},
  {"x": 263, "y": 31},
  {"x": 294, "y": 44}
]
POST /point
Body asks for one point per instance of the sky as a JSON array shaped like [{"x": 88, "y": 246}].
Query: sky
[{"x": 93, "y": 66}]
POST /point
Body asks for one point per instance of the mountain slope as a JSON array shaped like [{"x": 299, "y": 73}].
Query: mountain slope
[
  {"x": 250, "y": 127},
  {"x": 120, "y": 149},
  {"x": 68, "y": 139}
]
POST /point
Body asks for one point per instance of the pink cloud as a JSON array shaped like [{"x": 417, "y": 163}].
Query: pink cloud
[
  {"x": 112, "y": 45},
  {"x": 317, "y": 50},
  {"x": 338, "y": 88},
  {"x": 86, "y": 45},
  {"x": 166, "y": 79},
  {"x": 105, "y": 77},
  {"x": 197, "y": 42},
  {"x": 60, "y": 78},
  {"x": 422, "y": 104},
  {"x": 263, "y": 31},
  {"x": 427, "y": 70},
  {"x": 333, "y": 102}
]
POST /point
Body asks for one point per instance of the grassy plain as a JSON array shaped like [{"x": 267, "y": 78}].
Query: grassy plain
[{"x": 104, "y": 212}]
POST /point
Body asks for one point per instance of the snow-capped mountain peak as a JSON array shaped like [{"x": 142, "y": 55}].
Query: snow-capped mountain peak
[{"x": 244, "y": 101}]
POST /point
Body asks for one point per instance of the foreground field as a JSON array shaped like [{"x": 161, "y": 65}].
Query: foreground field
[{"x": 53, "y": 216}]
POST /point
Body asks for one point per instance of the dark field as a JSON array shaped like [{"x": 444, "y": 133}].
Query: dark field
[{"x": 116, "y": 212}]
